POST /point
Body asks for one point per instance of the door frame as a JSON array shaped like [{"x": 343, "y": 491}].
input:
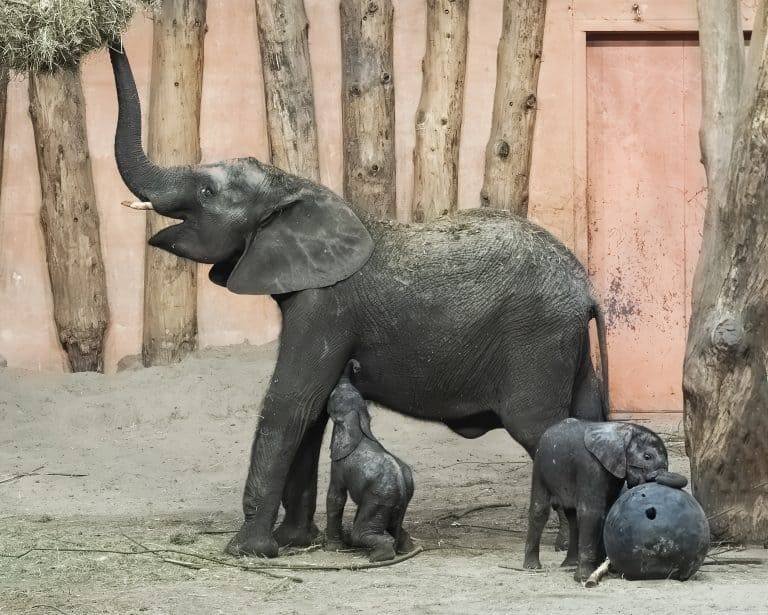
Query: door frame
[{"x": 559, "y": 192}]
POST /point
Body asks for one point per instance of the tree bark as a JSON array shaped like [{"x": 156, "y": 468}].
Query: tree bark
[
  {"x": 3, "y": 102},
  {"x": 508, "y": 153},
  {"x": 284, "y": 45},
  {"x": 725, "y": 386},
  {"x": 368, "y": 105},
  {"x": 69, "y": 217},
  {"x": 439, "y": 115},
  {"x": 173, "y": 135}
]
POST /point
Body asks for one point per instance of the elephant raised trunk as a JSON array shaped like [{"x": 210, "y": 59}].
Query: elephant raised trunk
[{"x": 146, "y": 180}]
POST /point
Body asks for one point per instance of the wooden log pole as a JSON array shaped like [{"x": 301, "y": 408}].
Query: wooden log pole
[
  {"x": 3, "y": 106},
  {"x": 284, "y": 44},
  {"x": 724, "y": 384},
  {"x": 173, "y": 135},
  {"x": 70, "y": 220},
  {"x": 439, "y": 115},
  {"x": 508, "y": 153},
  {"x": 368, "y": 105}
]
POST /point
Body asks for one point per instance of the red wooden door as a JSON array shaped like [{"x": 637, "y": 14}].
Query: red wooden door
[{"x": 646, "y": 197}]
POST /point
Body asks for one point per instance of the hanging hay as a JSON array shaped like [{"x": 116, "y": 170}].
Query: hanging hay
[{"x": 42, "y": 35}]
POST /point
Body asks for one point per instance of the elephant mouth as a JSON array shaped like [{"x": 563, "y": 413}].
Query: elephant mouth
[{"x": 220, "y": 272}]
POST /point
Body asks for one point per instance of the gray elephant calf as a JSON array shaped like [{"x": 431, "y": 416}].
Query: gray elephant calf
[
  {"x": 580, "y": 467},
  {"x": 380, "y": 484}
]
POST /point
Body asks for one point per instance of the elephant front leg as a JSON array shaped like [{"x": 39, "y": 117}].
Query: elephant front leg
[
  {"x": 590, "y": 524},
  {"x": 300, "y": 494},
  {"x": 335, "y": 502},
  {"x": 284, "y": 421}
]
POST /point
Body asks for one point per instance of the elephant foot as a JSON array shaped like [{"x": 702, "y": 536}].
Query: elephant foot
[
  {"x": 288, "y": 535},
  {"x": 249, "y": 541},
  {"x": 583, "y": 571},
  {"x": 333, "y": 545},
  {"x": 570, "y": 561},
  {"x": 532, "y": 563},
  {"x": 405, "y": 542},
  {"x": 382, "y": 553}
]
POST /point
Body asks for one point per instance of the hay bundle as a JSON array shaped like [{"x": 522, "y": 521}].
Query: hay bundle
[{"x": 41, "y": 35}]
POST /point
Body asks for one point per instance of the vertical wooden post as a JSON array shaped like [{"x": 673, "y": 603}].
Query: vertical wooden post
[
  {"x": 508, "y": 153},
  {"x": 724, "y": 383},
  {"x": 288, "y": 91},
  {"x": 170, "y": 283},
  {"x": 3, "y": 103},
  {"x": 439, "y": 115},
  {"x": 69, "y": 216},
  {"x": 368, "y": 105}
]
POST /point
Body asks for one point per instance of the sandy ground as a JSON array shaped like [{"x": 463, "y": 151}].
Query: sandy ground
[{"x": 164, "y": 455}]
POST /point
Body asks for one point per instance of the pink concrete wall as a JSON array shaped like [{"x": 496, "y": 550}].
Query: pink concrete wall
[{"x": 233, "y": 125}]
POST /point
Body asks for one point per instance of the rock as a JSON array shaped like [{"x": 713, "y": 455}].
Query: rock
[{"x": 130, "y": 362}]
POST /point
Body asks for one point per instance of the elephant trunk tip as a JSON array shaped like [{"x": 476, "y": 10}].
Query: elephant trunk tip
[{"x": 352, "y": 369}]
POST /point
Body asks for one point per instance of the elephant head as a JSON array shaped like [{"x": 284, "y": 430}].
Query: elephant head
[
  {"x": 349, "y": 413},
  {"x": 265, "y": 231},
  {"x": 627, "y": 451}
]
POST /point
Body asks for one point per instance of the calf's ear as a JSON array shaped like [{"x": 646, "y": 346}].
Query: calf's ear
[
  {"x": 347, "y": 433},
  {"x": 312, "y": 240},
  {"x": 608, "y": 443}
]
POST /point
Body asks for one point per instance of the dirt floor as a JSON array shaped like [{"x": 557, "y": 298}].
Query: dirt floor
[{"x": 155, "y": 458}]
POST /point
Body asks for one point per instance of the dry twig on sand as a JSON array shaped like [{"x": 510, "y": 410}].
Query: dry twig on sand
[
  {"x": 599, "y": 573},
  {"x": 258, "y": 568},
  {"x": 36, "y": 472},
  {"x": 518, "y": 569},
  {"x": 471, "y": 509}
]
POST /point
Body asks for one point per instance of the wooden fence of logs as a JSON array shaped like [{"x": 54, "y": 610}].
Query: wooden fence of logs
[{"x": 70, "y": 220}]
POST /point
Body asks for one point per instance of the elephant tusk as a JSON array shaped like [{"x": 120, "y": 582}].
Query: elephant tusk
[{"x": 139, "y": 205}]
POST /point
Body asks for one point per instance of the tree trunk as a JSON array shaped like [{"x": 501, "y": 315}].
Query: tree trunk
[
  {"x": 724, "y": 384},
  {"x": 438, "y": 118},
  {"x": 290, "y": 102},
  {"x": 170, "y": 283},
  {"x": 69, "y": 216},
  {"x": 508, "y": 153},
  {"x": 3, "y": 102},
  {"x": 368, "y": 105}
]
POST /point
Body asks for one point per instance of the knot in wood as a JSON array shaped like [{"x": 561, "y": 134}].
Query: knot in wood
[
  {"x": 373, "y": 7},
  {"x": 386, "y": 78},
  {"x": 728, "y": 336},
  {"x": 530, "y": 102},
  {"x": 374, "y": 169},
  {"x": 502, "y": 149},
  {"x": 354, "y": 91}
]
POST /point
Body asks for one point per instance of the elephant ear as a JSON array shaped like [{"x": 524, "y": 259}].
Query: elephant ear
[
  {"x": 312, "y": 241},
  {"x": 365, "y": 422},
  {"x": 608, "y": 443},
  {"x": 347, "y": 433}
]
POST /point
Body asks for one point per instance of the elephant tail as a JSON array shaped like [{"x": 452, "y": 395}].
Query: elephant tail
[{"x": 597, "y": 314}]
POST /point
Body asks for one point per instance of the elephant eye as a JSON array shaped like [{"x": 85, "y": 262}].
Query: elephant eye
[
  {"x": 206, "y": 191},
  {"x": 647, "y": 456}
]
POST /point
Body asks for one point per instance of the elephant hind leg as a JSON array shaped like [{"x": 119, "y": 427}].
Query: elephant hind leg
[
  {"x": 572, "y": 557},
  {"x": 369, "y": 531},
  {"x": 538, "y": 513}
]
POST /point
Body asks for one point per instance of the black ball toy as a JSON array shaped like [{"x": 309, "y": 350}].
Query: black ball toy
[{"x": 657, "y": 531}]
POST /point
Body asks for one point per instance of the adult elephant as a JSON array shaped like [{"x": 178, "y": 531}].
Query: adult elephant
[{"x": 478, "y": 322}]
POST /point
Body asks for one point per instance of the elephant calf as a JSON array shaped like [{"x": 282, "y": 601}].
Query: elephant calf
[
  {"x": 580, "y": 467},
  {"x": 380, "y": 484}
]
